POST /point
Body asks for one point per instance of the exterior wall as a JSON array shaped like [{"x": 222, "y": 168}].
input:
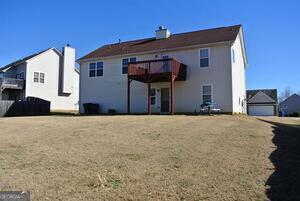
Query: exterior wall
[
  {"x": 12, "y": 72},
  {"x": 110, "y": 91},
  {"x": 48, "y": 63},
  {"x": 290, "y": 105},
  {"x": 238, "y": 78}
]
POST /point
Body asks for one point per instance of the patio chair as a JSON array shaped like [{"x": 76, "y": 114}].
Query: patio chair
[{"x": 209, "y": 108}]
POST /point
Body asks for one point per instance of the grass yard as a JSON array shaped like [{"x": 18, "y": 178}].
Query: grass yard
[{"x": 151, "y": 157}]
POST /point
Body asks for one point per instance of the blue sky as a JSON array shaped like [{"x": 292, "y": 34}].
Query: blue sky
[{"x": 271, "y": 28}]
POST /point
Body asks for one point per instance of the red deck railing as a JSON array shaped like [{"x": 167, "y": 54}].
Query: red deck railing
[{"x": 157, "y": 67}]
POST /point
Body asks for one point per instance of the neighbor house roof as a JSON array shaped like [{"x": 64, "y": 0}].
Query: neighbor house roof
[
  {"x": 23, "y": 60},
  {"x": 272, "y": 93},
  {"x": 294, "y": 96},
  {"x": 201, "y": 37}
]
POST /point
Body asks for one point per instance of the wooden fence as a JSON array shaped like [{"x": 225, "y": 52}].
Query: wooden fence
[
  {"x": 4, "y": 107},
  {"x": 29, "y": 107}
]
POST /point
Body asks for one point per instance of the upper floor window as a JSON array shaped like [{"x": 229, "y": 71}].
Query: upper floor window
[
  {"x": 39, "y": 77},
  {"x": 233, "y": 55},
  {"x": 42, "y": 77},
  {"x": 96, "y": 69},
  {"x": 207, "y": 94},
  {"x": 204, "y": 57},
  {"x": 125, "y": 62}
]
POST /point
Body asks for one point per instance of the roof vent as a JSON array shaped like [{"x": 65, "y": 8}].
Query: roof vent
[{"x": 162, "y": 33}]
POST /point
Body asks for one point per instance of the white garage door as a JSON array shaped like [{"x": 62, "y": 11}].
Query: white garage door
[{"x": 261, "y": 110}]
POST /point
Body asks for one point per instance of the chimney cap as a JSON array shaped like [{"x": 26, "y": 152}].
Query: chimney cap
[
  {"x": 161, "y": 27},
  {"x": 68, "y": 45}
]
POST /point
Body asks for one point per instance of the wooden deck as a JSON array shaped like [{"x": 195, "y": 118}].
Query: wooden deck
[
  {"x": 157, "y": 70},
  {"x": 150, "y": 71}
]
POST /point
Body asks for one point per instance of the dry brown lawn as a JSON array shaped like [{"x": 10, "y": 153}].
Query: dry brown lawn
[{"x": 138, "y": 157}]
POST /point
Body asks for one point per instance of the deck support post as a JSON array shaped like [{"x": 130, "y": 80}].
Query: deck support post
[
  {"x": 149, "y": 97},
  {"x": 172, "y": 95},
  {"x": 128, "y": 95}
]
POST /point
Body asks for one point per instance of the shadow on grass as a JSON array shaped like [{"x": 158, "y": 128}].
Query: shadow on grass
[{"x": 284, "y": 183}]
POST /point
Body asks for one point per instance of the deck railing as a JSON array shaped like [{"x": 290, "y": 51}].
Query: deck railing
[
  {"x": 11, "y": 83},
  {"x": 155, "y": 67}
]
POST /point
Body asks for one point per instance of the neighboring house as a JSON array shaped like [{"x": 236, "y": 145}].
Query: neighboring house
[
  {"x": 49, "y": 75},
  {"x": 290, "y": 105},
  {"x": 262, "y": 102},
  {"x": 168, "y": 73}
]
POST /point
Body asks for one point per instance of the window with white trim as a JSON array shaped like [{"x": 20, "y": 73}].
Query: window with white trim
[
  {"x": 92, "y": 69},
  {"x": 153, "y": 96},
  {"x": 99, "y": 69},
  {"x": 96, "y": 69},
  {"x": 39, "y": 77},
  {"x": 204, "y": 57},
  {"x": 125, "y": 62},
  {"x": 206, "y": 94},
  {"x": 233, "y": 55},
  {"x": 42, "y": 77}
]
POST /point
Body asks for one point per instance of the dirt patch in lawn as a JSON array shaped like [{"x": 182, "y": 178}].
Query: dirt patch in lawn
[{"x": 137, "y": 157}]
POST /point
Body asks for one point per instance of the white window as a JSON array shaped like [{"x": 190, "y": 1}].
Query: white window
[
  {"x": 39, "y": 77},
  {"x": 153, "y": 96},
  {"x": 99, "y": 70},
  {"x": 92, "y": 70},
  {"x": 204, "y": 57},
  {"x": 233, "y": 55},
  {"x": 42, "y": 77},
  {"x": 36, "y": 77},
  {"x": 125, "y": 62},
  {"x": 207, "y": 94},
  {"x": 96, "y": 69}
]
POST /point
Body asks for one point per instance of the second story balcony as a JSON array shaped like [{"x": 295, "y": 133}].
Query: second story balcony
[
  {"x": 162, "y": 70},
  {"x": 11, "y": 83}
]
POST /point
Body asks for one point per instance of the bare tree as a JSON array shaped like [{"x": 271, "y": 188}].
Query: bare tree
[{"x": 285, "y": 94}]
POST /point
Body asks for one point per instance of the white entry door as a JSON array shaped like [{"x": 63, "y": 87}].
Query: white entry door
[{"x": 261, "y": 110}]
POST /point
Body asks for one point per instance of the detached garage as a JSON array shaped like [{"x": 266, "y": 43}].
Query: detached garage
[{"x": 262, "y": 102}]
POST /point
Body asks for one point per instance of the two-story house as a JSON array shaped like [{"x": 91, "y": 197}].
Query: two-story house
[
  {"x": 50, "y": 75},
  {"x": 168, "y": 73}
]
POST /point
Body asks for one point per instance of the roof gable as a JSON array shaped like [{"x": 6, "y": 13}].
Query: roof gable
[
  {"x": 272, "y": 93},
  {"x": 261, "y": 97},
  {"x": 27, "y": 58},
  {"x": 295, "y": 97},
  {"x": 223, "y": 34}
]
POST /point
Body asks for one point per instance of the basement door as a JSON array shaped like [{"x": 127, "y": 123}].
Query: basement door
[{"x": 165, "y": 100}]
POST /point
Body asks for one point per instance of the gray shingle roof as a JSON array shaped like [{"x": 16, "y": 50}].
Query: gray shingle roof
[{"x": 272, "y": 93}]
